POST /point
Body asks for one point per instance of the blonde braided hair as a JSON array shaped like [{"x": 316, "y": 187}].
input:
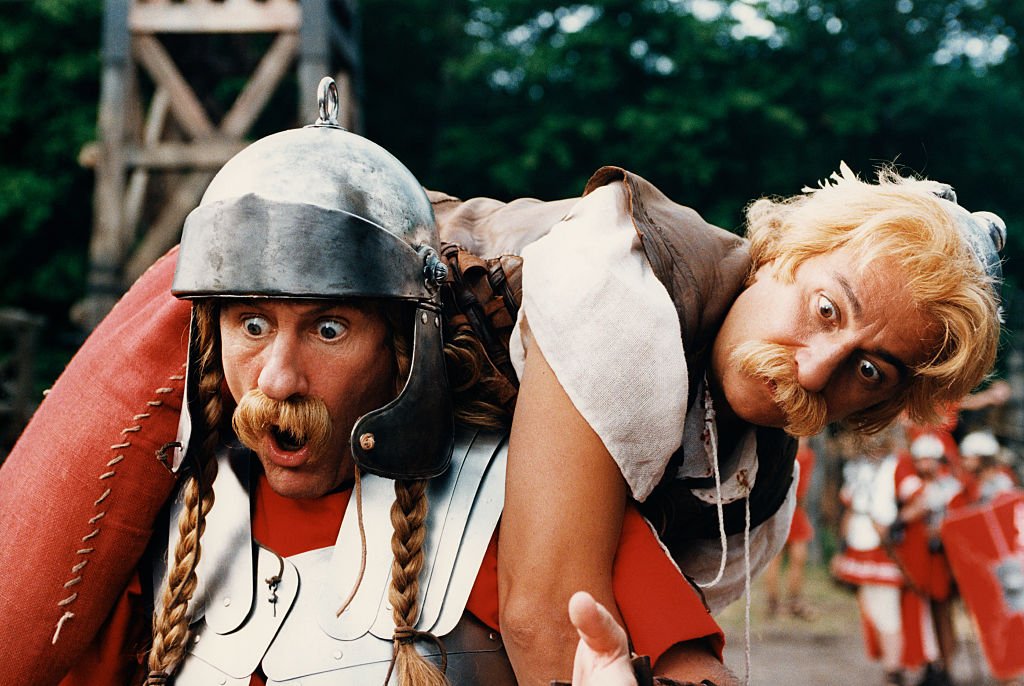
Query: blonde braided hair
[
  {"x": 408, "y": 517},
  {"x": 170, "y": 625}
]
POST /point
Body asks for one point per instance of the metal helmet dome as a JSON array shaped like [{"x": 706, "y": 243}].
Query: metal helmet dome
[
  {"x": 979, "y": 443},
  {"x": 311, "y": 212},
  {"x": 320, "y": 212},
  {"x": 927, "y": 446}
]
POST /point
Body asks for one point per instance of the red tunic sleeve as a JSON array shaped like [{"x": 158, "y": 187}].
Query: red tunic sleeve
[{"x": 659, "y": 606}]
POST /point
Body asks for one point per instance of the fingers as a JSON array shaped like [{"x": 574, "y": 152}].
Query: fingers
[{"x": 596, "y": 626}]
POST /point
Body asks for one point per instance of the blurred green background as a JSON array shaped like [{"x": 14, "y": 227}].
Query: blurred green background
[{"x": 716, "y": 102}]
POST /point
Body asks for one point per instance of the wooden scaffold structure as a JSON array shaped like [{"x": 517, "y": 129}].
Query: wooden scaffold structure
[{"x": 164, "y": 129}]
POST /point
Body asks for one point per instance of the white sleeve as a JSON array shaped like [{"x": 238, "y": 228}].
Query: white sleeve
[{"x": 610, "y": 332}]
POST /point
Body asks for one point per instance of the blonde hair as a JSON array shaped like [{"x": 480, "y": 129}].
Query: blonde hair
[
  {"x": 171, "y": 632},
  {"x": 408, "y": 518},
  {"x": 901, "y": 219}
]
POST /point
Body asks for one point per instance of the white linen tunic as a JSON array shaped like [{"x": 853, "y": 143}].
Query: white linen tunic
[{"x": 610, "y": 332}]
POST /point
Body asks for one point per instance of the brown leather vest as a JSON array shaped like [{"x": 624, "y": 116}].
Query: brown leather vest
[{"x": 702, "y": 267}]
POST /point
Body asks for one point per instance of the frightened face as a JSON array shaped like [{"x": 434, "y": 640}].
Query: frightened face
[
  {"x": 302, "y": 373},
  {"x": 838, "y": 338}
]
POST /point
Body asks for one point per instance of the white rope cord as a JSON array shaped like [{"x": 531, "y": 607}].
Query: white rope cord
[
  {"x": 712, "y": 436},
  {"x": 746, "y": 587},
  {"x": 358, "y": 493}
]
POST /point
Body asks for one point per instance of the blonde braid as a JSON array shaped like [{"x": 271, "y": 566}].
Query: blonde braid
[
  {"x": 408, "y": 517},
  {"x": 170, "y": 626}
]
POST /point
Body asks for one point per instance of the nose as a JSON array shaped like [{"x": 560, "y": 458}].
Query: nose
[
  {"x": 816, "y": 362},
  {"x": 283, "y": 374}
]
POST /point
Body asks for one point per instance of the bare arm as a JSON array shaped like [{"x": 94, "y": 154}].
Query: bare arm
[
  {"x": 692, "y": 662},
  {"x": 564, "y": 504}
]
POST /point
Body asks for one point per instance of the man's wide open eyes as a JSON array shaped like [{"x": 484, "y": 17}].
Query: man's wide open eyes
[
  {"x": 869, "y": 371},
  {"x": 255, "y": 326},
  {"x": 826, "y": 308},
  {"x": 329, "y": 329}
]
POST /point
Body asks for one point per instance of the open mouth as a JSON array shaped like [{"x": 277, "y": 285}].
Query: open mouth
[{"x": 286, "y": 440}]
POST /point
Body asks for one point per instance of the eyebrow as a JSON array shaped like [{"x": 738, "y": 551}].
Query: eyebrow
[
  {"x": 314, "y": 304},
  {"x": 851, "y": 296},
  {"x": 902, "y": 368}
]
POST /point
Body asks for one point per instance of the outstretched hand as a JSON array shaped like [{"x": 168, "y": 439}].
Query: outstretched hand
[{"x": 602, "y": 656}]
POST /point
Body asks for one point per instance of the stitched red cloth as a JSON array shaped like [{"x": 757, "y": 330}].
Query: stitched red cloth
[
  {"x": 82, "y": 487},
  {"x": 117, "y": 655}
]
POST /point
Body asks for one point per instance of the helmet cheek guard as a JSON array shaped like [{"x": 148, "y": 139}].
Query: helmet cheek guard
[
  {"x": 382, "y": 439},
  {"x": 322, "y": 213}
]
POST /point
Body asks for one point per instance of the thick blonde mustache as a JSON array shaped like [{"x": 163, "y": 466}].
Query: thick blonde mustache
[
  {"x": 806, "y": 412},
  {"x": 307, "y": 419}
]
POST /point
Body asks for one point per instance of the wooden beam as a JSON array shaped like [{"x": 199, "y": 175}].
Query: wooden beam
[
  {"x": 178, "y": 156},
  {"x": 164, "y": 231},
  {"x": 106, "y": 244},
  {"x": 261, "y": 85},
  {"x": 349, "y": 117},
  {"x": 184, "y": 104},
  {"x": 314, "y": 56},
  {"x": 203, "y": 16},
  {"x": 345, "y": 44},
  {"x": 138, "y": 182}
]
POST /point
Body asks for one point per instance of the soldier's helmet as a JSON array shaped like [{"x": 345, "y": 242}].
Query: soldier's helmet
[{"x": 320, "y": 212}]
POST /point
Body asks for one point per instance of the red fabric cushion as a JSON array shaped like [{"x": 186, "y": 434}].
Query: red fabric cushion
[{"x": 80, "y": 491}]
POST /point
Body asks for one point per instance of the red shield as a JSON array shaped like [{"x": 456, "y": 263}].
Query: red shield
[{"x": 985, "y": 547}]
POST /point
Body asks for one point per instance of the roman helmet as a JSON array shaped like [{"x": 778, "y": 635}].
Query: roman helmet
[
  {"x": 320, "y": 212},
  {"x": 927, "y": 446},
  {"x": 981, "y": 444},
  {"x": 983, "y": 232}
]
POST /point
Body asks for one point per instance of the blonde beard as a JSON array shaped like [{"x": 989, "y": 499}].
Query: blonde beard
[{"x": 806, "y": 413}]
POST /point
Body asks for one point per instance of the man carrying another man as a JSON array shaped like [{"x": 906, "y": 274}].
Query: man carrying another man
[{"x": 313, "y": 267}]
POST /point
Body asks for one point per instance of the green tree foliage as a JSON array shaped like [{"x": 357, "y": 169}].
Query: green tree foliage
[
  {"x": 49, "y": 86},
  {"x": 533, "y": 96},
  {"x": 717, "y": 102}
]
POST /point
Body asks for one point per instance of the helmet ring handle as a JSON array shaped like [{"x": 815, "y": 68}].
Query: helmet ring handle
[{"x": 327, "y": 102}]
